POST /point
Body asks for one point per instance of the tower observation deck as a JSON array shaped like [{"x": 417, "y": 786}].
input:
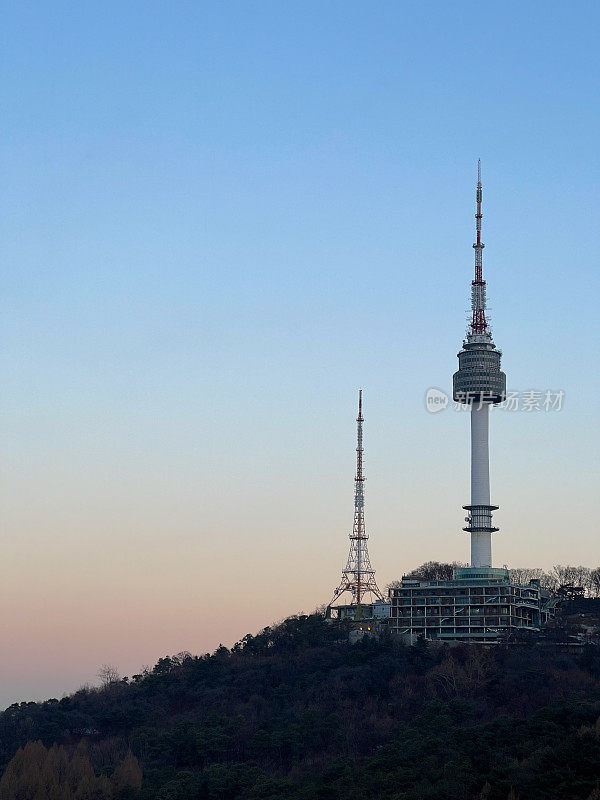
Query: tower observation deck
[{"x": 479, "y": 383}]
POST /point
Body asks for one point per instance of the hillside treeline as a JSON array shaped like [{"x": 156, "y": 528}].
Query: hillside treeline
[
  {"x": 586, "y": 578},
  {"x": 298, "y": 713}
]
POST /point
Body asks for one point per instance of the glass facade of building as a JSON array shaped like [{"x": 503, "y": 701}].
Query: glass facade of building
[{"x": 479, "y": 604}]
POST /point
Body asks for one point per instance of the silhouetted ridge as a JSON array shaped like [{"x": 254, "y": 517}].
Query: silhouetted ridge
[{"x": 297, "y": 712}]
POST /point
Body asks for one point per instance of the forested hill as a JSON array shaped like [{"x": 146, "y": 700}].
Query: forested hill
[{"x": 299, "y": 713}]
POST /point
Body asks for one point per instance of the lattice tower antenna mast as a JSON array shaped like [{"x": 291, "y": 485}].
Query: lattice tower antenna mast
[
  {"x": 478, "y": 323},
  {"x": 358, "y": 578}
]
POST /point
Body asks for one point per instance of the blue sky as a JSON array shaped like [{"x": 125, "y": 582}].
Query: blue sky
[{"x": 217, "y": 221}]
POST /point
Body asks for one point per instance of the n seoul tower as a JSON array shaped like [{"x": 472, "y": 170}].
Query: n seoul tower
[{"x": 479, "y": 383}]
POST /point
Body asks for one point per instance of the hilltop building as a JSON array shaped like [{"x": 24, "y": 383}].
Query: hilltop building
[{"x": 476, "y": 605}]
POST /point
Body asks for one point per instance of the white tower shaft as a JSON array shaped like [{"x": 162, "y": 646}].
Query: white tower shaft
[{"x": 481, "y": 542}]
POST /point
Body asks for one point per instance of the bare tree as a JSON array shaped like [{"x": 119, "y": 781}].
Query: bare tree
[
  {"x": 584, "y": 579},
  {"x": 522, "y": 576},
  {"x": 108, "y": 675},
  {"x": 574, "y": 576},
  {"x": 434, "y": 571},
  {"x": 564, "y": 574},
  {"x": 595, "y": 582},
  {"x": 548, "y": 581}
]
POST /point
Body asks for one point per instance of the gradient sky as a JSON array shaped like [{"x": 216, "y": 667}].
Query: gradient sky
[{"x": 218, "y": 220}]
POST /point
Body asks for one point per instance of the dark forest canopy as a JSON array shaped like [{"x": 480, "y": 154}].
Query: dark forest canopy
[{"x": 298, "y": 713}]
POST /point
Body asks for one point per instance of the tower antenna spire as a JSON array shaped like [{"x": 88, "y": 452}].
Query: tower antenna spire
[
  {"x": 479, "y": 325},
  {"x": 358, "y": 577}
]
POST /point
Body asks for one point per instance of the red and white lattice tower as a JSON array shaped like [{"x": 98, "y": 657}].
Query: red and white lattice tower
[{"x": 358, "y": 577}]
